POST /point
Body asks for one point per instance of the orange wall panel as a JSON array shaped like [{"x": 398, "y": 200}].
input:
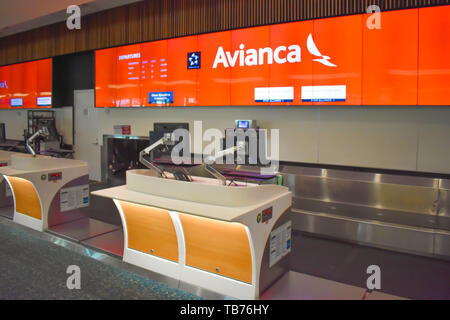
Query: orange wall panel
[
  {"x": 34, "y": 87},
  {"x": 154, "y": 69},
  {"x": 244, "y": 79},
  {"x": 295, "y": 74},
  {"x": 390, "y": 59},
  {"x": 43, "y": 78},
  {"x": 4, "y": 93},
  {"x": 434, "y": 56},
  {"x": 214, "y": 83},
  {"x": 129, "y": 76},
  {"x": 181, "y": 80},
  {"x": 106, "y": 77},
  {"x": 26, "y": 81},
  {"x": 340, "y": 39},
  {"x": 340, "y": 62}
]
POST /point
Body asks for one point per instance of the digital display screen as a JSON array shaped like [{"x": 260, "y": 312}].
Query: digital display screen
[
  {"x": 160, "y": 97},
  {"x": 44, "y": 101},
  {"x": 241, "y": 124},
  {"x": 330, "y": 61},
  {"x": 55, "y": 176},
  {"x": 26, "y": 85},
  {"x": 17, "y": 102}
]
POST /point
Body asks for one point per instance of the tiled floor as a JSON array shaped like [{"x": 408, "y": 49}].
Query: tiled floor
[{"x": 33, "y": 268}]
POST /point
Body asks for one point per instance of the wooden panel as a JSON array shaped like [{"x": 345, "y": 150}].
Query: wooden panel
[
  {"x": 218, "y": 247},
  {"x": 159, "y": 19},
  {"x": 26, "y": 197},
  {"x": 150, "y": 230}
]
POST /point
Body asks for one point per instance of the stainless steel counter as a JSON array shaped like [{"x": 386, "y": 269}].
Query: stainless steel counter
[{"x": 401, "y": 212}]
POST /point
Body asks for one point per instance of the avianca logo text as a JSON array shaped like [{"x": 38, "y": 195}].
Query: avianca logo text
[
  {"x": 280, "y": 55},
  {"x": 253, "y": 57},
  {"x": 3, "y": 85}
]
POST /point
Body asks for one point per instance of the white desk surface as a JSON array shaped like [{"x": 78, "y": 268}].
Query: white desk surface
[
  {"x": 201, "y": 209},
  {"x": 59, "y": 165},
  {"x": 10, "y": 171},
  {"x": 5, "y": 156}
]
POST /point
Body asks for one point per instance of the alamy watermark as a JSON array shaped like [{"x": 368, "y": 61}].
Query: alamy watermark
[
  {"x": 374, "y": 280},
  {"x": 374, "y": 20},
  {"x": 207, "y": 147},
  {"x": 74, "y": 280},
  {"x": 73, "y": 21}
]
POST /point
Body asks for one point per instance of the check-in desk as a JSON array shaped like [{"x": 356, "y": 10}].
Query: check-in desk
[
  {"x": 5, "y": 158},
  {"x": 5, "y": 193},
  {"x": 229, "y": 239},
  {"x": 46, "y": 191}
]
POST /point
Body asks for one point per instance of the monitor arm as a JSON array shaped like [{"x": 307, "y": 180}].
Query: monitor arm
[
  {"x": 163, "y": 144},
  {"x": 212, "y": 159},
  {"x": 40, "y": 133},
  {"x": 168, "y": 140}
]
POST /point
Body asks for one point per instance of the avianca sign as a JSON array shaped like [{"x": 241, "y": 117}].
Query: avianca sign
[
  {"x": 253, "y": 57},
  {"x": 3, "y": 85},
  {"x": 261, "y": 56}
]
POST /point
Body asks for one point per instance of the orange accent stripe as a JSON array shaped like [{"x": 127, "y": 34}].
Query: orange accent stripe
[
  {"x": 150, "y": 230},
  {"x": 26, "y": 197},
  {"x": 218, "y": 247}
]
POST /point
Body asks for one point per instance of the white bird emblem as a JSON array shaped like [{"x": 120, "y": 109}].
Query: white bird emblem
[{"x": 314, "y": 51}]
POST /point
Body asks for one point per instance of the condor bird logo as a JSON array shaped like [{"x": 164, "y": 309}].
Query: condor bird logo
[{"x": 315, "y": 52}]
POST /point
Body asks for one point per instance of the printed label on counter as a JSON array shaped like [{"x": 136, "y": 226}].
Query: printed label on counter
[
  {"x": 74, "y": 197},
  {"x": 280, "y": 243}
]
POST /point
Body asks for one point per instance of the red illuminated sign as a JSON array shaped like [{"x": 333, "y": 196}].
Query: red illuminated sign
[
  {"x": 26, "y": 85},
  {"x": 332, "y": 61}
]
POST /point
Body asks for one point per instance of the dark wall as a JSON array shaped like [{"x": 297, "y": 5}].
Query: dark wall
[{"x": 72, "y": 72}]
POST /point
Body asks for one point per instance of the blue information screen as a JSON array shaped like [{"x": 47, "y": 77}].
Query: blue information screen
[
  {"x": 242, "y": 124},
  {"x": 16, "y": 102},
  {"x": 160, "y": 97}
]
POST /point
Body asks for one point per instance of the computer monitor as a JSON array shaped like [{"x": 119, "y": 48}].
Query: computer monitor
[
  {"x": 2, "y": 132},
  {"x": 51, "y": 128},
  {"x": 167, "y": 127},
  {"x": 161, "y": 128},
  {"x": 255, "y": 140}
]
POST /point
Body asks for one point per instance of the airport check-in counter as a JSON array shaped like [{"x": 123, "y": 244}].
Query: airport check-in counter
[
  {"x": 46, "y": 191},
  {"x": 5, "y": 192},
  {"x": 231, "y": 239},
  {"x": 5, "y": 158}
]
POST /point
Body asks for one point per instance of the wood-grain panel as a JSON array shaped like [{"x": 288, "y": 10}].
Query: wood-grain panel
[
  {"x": 160, "y": 19},
  {"x": 150, "y": 230},
  {"x": 26, "y": 198},
  {"x": 218, "y": 247}
]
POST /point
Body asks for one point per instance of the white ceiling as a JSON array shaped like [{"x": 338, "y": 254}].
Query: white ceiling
[{"x": 21, "y": 15}]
